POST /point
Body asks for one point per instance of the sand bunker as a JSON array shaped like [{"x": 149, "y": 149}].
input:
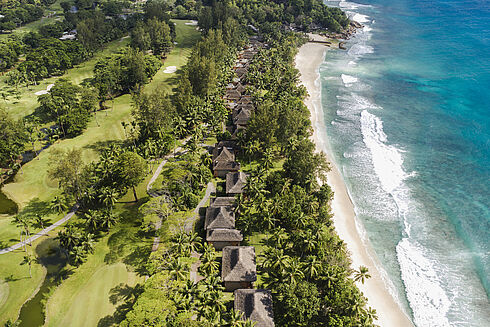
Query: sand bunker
[
  {"x": 44, "y": 91},
  {"x": 170, "y": 70},
  {"x": 192, "y": 23}
]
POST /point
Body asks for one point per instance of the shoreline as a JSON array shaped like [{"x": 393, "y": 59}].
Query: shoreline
[{"x": 308, "y": 60}]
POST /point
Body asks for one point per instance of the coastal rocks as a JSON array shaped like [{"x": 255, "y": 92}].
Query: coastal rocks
[
  {"x": 348, "y": 33},
  {"x": 356, "y": 24},
  {"x": 342, "y": 46}
]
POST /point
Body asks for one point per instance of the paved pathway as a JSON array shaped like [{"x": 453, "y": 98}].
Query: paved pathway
[
  {"x": 160, "y": 167},
  {"x": 75, "y": 208},
  {"x": 189, "y": 222},
  {"x": 41, "y": 233}
]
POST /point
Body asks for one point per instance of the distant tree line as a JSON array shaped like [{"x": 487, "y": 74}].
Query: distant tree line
[{"x": 16, "y": 13}]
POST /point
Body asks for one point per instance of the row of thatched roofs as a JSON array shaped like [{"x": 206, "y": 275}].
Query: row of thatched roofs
[{"x": 238, "y": 270}]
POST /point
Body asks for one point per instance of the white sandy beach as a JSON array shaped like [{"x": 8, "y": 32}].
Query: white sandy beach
[{"x": 308, "y": 60}]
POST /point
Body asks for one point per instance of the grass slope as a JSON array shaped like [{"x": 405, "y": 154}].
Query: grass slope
[
  {"x": 26, "y": 101},
  {"x": 63, "y": 308},
  {"x": 19, "y": 286}
]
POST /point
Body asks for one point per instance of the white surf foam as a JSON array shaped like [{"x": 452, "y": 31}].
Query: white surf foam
[
  {"x": 429, "y": 302},
  {"x": 360, "y": 18},
  {"x": 360, "y": 49},
  {"x": 348, "y": 80},
  {"x": 387, "y": 159}
]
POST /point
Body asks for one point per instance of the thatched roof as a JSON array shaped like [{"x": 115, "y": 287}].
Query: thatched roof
[
  {"x": 242, "y": 117},
  {"x": 223, "y": 154},
  {"x": 235, "y": 182},
  {"x": 240, "y": 72},
  {"x": 226, "y": 165},
  {"x": 224, "y": 235},
  {"x": 245, "y": 99},
  {"x": 247, "y": 55},
  {"x": 233, "y": 94},
  {"x": 219, "y": 217},
  {"x": 238, "y": 264},
  {"x": 255, "y": 305},
  {"x": 222, "y": 201},
  {"x": 240, "y": 88},
  {"x": 236, "y": 111}
]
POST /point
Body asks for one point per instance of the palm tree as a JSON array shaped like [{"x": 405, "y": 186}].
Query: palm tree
[
  {"x": 195, "y": 242},
  {"x": 68, "y": 238},
  {"x": 279, "y": 238},
  {"x": 23, "y": 222},
  {"x": 209, "y": 266},
  {"x": 19, "y": 222},
  {"x": 108, "y": 197},
  {"x": 77, "y": 255},
  {"x": 93, "y": 219},
  {"x": 235, "y": 319},
  {"x": 28, "y": 260},
  {"x": 313, "y": 266},
  {"x": 268, "y": 160},
  {"x": 212, "y": 283},
  {"x": 249, "y": 323},
  {"x": 58, "y": 204},
  {"x": 39, "y": 220},
  {"x": 87, "y": 243},
  {"x": 276, "y": 260},
  {"x": 294, "y": 271},
  {"x": 108, "y": 220},
  {"x": 361, "y": 274},
  {"x": 178, "y": 270}
]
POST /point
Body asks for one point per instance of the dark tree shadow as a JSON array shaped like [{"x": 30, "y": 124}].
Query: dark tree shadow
[
  {"x": 36, "y": 207},
  {"x": 138, "y": 258},
  {"x": 101, "y": 146},
  {"x": 128, "y": 295}
]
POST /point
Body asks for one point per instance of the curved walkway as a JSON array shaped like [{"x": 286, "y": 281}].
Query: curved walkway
[
  {"x": 72, "y": 212},
  {"x": 42, "y": 232},
  {"x": 160, "y": 167}
]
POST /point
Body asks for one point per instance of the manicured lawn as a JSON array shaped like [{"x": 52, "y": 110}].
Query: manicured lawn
[
  {"x": 187, "y": 36},
  {"x": 19, "y": 286},
  {"x": 34, "y": 185},
  {"x": 34, "y": 26},
  {"x": 84, "y": 296},
  {"x": 25, "y": 103}
]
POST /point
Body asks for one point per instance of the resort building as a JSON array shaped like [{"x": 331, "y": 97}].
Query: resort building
[
  {"x": 219, "y": 217},
  {"x": 222, "y": 201},
  {"x": 232, "y": 95},
  {"x": 235, "y": 182},
  {"x": 241, "y": 119},
  {"x": 238, "y": 268},
  {"x": 224, "y": 162},
  {"x": 222, "y": 237},
  {"x": 255, "y": 305}
]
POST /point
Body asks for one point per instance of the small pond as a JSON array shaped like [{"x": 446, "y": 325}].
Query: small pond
[{"x": 7, "y": 206}]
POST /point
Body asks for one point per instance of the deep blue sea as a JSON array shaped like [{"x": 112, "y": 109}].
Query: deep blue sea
[{"x": 407, "y": 110}]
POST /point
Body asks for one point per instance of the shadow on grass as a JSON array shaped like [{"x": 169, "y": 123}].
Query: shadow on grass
[
  {"x": 128, "y": 295},
  {"x": 130, "y": 244},
  {"x": 36, "y": 207},
  {"x": 101, "y": 146}
]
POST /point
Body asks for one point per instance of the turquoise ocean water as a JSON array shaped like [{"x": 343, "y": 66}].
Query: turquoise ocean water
[{"x": 407, "y": 110}]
